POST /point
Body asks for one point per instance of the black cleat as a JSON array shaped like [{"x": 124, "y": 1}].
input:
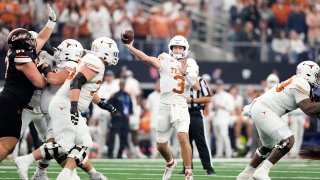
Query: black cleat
[{"x": 211, "y": 172}]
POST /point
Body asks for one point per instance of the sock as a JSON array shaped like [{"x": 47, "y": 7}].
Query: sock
[
  {"x": 267, "y": 165},
  {"x": 92, "y": 171},
  {"x": 170, "y": 163},
  {"x": 29, "y": 159},
  {"x": 249, "y": 169}
]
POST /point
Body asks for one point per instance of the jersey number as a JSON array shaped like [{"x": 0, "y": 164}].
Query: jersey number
[
  {"x": 283, "y": 84},
  {"x": 180, "y": 90}
]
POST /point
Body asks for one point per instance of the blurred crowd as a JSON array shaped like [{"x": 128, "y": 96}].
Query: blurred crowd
[{"x": 268, "y": 30}]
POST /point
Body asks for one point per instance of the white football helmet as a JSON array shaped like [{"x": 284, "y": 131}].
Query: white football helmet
[
  {"x": 309, "y": 70},
  {"x": 179, "y": 41},
  {"x": 107, "y": 49},
  {"x": 272, "y": 80},
  {"x": 68, "y": 50}
]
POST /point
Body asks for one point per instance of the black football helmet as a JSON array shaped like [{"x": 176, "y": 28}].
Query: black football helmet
[{"x": 21, "y": 39}]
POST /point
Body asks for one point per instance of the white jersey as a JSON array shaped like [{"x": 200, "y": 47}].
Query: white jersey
[
  {"x": 89, "y": 89},
  {"x": 173, "y": 86},
  {"x": 50, "y": 91},
  {"x": 285, "y": 96}
]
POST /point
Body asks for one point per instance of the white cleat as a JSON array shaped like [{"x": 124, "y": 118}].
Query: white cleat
[
  {"x": 40, "y": 175},
  {"x": 188, "y": 175},
  {"x": 244, "y": 176},
  {"x": 97, "y": 176},
  {"x": 168, "y": 171},
  {"x": 261, "y": 174},
  {"x": 22, "y": 167}
]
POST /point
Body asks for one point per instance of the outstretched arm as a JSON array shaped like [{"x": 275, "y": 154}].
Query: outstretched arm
[
  {"x": 150, "y": 60},
  {"x": 46, "y": 32}
]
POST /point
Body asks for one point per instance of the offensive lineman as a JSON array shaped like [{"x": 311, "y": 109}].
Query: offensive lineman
[
  {"x": 177, "y": 75},
  {"x": 72, "y": 134},
  {"x": 266, "y": 110}
]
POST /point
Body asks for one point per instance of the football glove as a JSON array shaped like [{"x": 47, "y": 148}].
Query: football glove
[
  {"x": 106, "y": 106},
  {"x": 315, "y": 94},
  {"x": 74, "y": 112},
  {"x": 52, "y": 14}
]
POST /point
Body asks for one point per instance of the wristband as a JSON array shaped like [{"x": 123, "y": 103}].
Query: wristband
[
  {"x": 192, "y": 101},
  {"x": 74, "y": 104},
  {"x": 46, "y": 70},
  {"x": 51, "y": 24}
]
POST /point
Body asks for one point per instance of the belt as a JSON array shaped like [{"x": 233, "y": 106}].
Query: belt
[{"x": 194, "y": 111}]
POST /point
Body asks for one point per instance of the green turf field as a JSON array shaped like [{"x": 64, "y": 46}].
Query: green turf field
[{"x": 153, "y": 169}]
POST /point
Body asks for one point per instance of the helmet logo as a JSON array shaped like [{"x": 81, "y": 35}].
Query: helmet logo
[
  {"x": 110, "y": 44},
  {"x": 20, "y": 36},
  {"x": 68, "y": 44},
  {"x": 310, "y": 66}
]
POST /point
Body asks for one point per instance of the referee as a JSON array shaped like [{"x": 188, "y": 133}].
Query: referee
[{"x": 196, "y": 103}]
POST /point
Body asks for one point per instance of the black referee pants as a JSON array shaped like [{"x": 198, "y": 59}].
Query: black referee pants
[{"x": 196, "y": 133}]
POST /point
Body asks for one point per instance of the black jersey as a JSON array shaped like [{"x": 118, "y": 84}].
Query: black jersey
[{"x": 17, "y": 85}]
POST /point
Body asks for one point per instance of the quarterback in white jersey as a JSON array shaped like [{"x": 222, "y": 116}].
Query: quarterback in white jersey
[
  {"x": 177, "y": 75},
  {"x": 266, "y": 112},
  {"x": 72, "y": 134}
]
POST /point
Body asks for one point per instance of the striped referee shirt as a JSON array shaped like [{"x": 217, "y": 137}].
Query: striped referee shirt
[{"x": 202, "y": 92}]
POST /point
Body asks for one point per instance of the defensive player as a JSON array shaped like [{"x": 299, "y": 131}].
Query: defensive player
[
  {"x": 22, "y": 78},
  {"x": 177, "y": 75},
  {"x": 266, "y": 110}
]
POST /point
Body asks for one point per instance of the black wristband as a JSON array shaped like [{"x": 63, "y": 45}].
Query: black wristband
[
  {"x": 101, "y": 101},
  {"x": 74, "y": 104},
  {"x": 192, "y": 101},
  {"x": 46, "y": 70}
]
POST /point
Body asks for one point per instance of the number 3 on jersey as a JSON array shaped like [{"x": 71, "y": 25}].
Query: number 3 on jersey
[
  {"x": 283, "y": 84},
  {"x": 181, "y": 83}
]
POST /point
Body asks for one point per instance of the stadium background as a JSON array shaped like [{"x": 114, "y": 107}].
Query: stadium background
[{"x": 237, "y": 41}]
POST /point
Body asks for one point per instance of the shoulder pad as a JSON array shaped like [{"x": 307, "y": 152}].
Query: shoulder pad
[
  {"x": 301, "y": 84},
  {"x": 69, "y": 65},
  {"x": 22, "y": 57},
  {"x": 164, "y": 56},
  {"x": 92, "y": 62}
]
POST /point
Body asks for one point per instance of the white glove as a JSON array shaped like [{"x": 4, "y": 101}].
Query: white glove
[
  {"x": 52, "y": 18},
  {"x": 52, "y": 14},
  {"x": 246, "y": 110}
]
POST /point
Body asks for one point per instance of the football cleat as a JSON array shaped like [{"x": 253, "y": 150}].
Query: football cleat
[
  {"x": 188, "y": 175},
  {"x": 244, "y": 176},
  {"x": 97, "y": 176},
  {"x": 261, "y": 174},
  {"x": 168, "y": 171},
  {"x": 40, "y": 175}
]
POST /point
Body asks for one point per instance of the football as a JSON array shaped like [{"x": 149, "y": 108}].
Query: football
[{"x": 127, "y": 36}]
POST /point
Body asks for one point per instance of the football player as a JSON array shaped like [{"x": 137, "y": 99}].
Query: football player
[
  {"x": 266, "y": 112},
  {"x": 69, "y": 128},
  {"x": 22, "y": 78},
  {"x": 66, "y": 58},
  {"x": 177, "y": 75}
]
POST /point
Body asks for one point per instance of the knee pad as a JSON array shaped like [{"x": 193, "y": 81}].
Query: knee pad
[
  {"x": 263, "y": 152},
  {"x": 80, "y": 155},
  {"x": 61, "y": 158},
  {"x": 51, "y": 150},
  {"x": 284, "y": 146}
]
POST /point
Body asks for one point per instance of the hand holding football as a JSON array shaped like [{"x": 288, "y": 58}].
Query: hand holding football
[{"x": 127, "y": 36}]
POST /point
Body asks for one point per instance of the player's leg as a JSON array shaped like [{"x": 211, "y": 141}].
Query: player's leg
[
  {"x": 10, "y": 126},
  {"x": 182, "y": 127},
  {"x": 163, "y": 134}
]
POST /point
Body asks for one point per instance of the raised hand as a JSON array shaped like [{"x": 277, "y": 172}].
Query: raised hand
[
  {"x": 183, "y": 67},
  {"x": 52, "y": 14}
]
